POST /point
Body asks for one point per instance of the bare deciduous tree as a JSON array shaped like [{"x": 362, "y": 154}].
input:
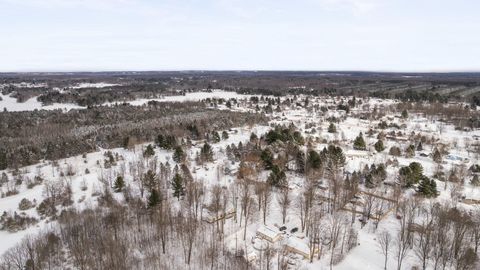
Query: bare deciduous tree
[
  {"x": 284, "y": 201},
  {"x": 385, "y": 241}
]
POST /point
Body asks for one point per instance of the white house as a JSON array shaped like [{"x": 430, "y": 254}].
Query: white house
[{"x": 269, "y": 234}]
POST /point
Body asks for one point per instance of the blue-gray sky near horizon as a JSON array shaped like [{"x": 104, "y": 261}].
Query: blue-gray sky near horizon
[{"x": 382, "y": 35}]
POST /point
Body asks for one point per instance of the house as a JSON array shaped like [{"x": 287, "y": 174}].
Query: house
[
  {"x": 300, "y": 247},
  {"x": 269, "y": 234}
]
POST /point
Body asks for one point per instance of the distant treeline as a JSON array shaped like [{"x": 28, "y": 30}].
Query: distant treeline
[{"x": 130, "y": 85}]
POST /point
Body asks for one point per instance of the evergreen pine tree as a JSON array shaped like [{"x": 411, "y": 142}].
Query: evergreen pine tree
[
  {"x": 119, "y": 184},
  {"x": 314, "y": 160},
  {"x": 298, "y": 138},
  {"x": 125, "y": 142},
  {"x": 149, "y": 151},
  {"x": 406, "y": 176},
  {"x": 216, "y": 137},
  {"x": 332, "y": 128},
  {"x": 267, "y": 157},
  {"x": 420, "y": 146},
  {"x": 417, "y": 171},
  {"x": 359, "y": 143},
  {"x": 154, "y": 198},
  {"x": 160, "y": 141},
  {"x": 424, "y": 187},
  {"x": 379, "y": 147},
  {"x": 272, "y": 136},
  {"x": 404, "y": 114},
  {"x": 277, "y": 177},
  {"x": 3, "y": 179},
  {"x": 224, "y": 135},
  {"x": 178, "y": 155},
  {"x": 206, "y": 152},
  {"x": 253, "y": 137},
  {"x": 300, "y": 162},
  {"x": 177, "y": 185},
  {"x": 150, "y": 178}
]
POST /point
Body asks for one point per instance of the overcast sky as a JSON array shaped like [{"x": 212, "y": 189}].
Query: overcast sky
[{"x": 381, "y": 35}]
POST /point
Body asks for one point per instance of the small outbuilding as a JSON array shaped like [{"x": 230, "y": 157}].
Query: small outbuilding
[{"x": 299, "y": 246}]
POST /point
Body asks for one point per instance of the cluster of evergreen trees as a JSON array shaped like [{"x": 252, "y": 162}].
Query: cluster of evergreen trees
[
  {"x": 413, "y": 174},
  {"x": 331, "y": 156},
  {"x": 284, "y": 135},
  {"x": 375, "y": 175},
  {"x": 277, "y": 177},
  {"x": 427, "y": 187},
  {"x": 166, "y": 142}
]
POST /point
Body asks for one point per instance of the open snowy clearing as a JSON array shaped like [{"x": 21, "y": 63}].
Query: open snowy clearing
[
  {"x": 10, "y": 104},
  {"x": 194, "y": 96}
]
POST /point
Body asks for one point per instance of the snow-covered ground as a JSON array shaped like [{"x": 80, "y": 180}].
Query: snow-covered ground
[
  {"x": 194, "y": 96},
  {"x": 93, "y": 85},
  {"x": 366, "y": 255},
  {"x": 10, "y": 104}
]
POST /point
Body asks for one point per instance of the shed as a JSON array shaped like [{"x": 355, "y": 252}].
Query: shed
[{"x": 299, "y": 246}]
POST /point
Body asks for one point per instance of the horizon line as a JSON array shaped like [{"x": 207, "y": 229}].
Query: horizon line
[{"x": 241, "y": 70}]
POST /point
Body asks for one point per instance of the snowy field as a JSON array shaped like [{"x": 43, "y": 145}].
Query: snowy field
[
  {"x": 11, "y": 104},
  {"x": 195, "y": 96},
  {"x": 93, "y": 85}
]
